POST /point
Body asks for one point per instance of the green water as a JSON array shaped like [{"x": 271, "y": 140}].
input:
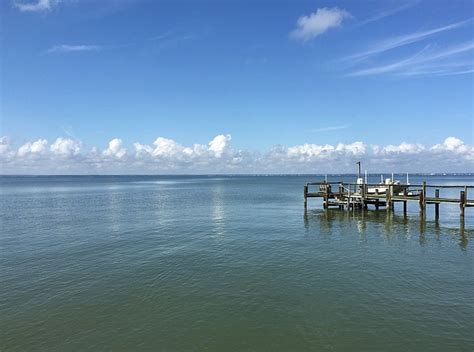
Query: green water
[{"x": 226, "y": 264}]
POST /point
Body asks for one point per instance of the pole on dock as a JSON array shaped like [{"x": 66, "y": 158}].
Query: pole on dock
[
  {"x": 437, "y": 205},
  {"x": 462, "y": 201}
]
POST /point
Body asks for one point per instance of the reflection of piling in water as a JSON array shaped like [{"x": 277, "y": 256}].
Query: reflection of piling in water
[
  {"x": 360, "y": 195},
  {"x": 327, "y": 220}
]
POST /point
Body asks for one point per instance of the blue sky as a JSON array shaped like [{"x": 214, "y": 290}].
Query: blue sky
[{"x": 267, "y": 73}]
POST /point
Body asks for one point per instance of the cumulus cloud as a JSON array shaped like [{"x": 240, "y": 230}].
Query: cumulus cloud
[
  {"x": 33, "y": 148},
  {"x": 66, "y": 147},
  {"x": 34, "y": 6},
  {"x": 455, "y": 146},
  {"x": 451, "y": 143},
  {"x": 219, "y": 144},
  {"x": 115, "y": 149},
  {"x": 166, "y": 147},
  {"x": 309, "y": 27},
  {"x": 166, "y": 155}
]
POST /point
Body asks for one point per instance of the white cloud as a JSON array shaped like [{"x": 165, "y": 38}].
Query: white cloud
[
  {"x": 115, "y": 149},
  {"x": 308, "y": 151},
  {"x": 166, "y": 147},
  {"x": 4, "y": 145},
  {"x": 356, "y": 148},
  {"x": 172, "y": 154},
  {"x": 66, "y": 156},
  {"x": 455, "y": 145},
  {"x": 32, "y": 6},
  {"x": 142, "y": 149},
  {"x": 66, "y": 147},
  {"x": 404, "y": 147},
  {"x": 452, "y": 143},
  {"x": 309, "y": 27},
  {"x": 67, "y": 48},
  {"x": 219, "y": 144},
  {"x": 33, "y": 148}
]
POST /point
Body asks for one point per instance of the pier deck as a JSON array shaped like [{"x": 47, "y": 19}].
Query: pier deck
[{"x": 351, "y": 195}]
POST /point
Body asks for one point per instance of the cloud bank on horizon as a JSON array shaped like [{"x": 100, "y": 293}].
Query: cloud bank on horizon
[{"x": 166, "y": 156}]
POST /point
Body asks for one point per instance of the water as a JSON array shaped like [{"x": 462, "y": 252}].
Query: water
[{"x": 226, "y": 263}]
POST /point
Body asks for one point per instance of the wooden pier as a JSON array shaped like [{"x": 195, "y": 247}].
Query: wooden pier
[{"x": 345, "y": 195}]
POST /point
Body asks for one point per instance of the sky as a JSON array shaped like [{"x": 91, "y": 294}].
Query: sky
[{"x": 202, "y": 86}]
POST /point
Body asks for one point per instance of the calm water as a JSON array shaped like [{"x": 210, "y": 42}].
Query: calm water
[{"x": 226, "y": 263}]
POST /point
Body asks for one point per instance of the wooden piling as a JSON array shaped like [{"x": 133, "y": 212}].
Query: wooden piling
[
  {"x": 423, "y": 198},
  {"x": 305, "y": 197},
  {"x": 377, "y": 199},
  {"x": 348, "y": 198},
  {"x": 462, "y": 201},
  {"x": 405, "y": 202},
  {"x": 341, "y": 192},
  {"x": 325, "y": 197},
  {"x": 365, "y": 196},
  {"x": 327, "y": 194},
  {"x": 465, "y": 196},
  {"x": 437, "y": 205},
  {"x": 388, "y": 198}
]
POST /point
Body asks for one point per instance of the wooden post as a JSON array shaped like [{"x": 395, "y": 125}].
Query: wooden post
[
  {"x": 327, "y": 195},
  {"x": 462, "y": 201},
  {"x": 377, "y": 199},
  {"x": 404, "y": 202},
  {"x": 423, "y": 198},
  {"x": 325, "y": 198},
  {"x": 348, "y": 197},
  {"x": 365, "y": 196},
  {"x": 388, "y": 197},
  {"x": 305, "y": 197},
  {"x": 341, "y": 192},
  {"x": 465, "y": 196},
  {"x": 437, "y": 205}
]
